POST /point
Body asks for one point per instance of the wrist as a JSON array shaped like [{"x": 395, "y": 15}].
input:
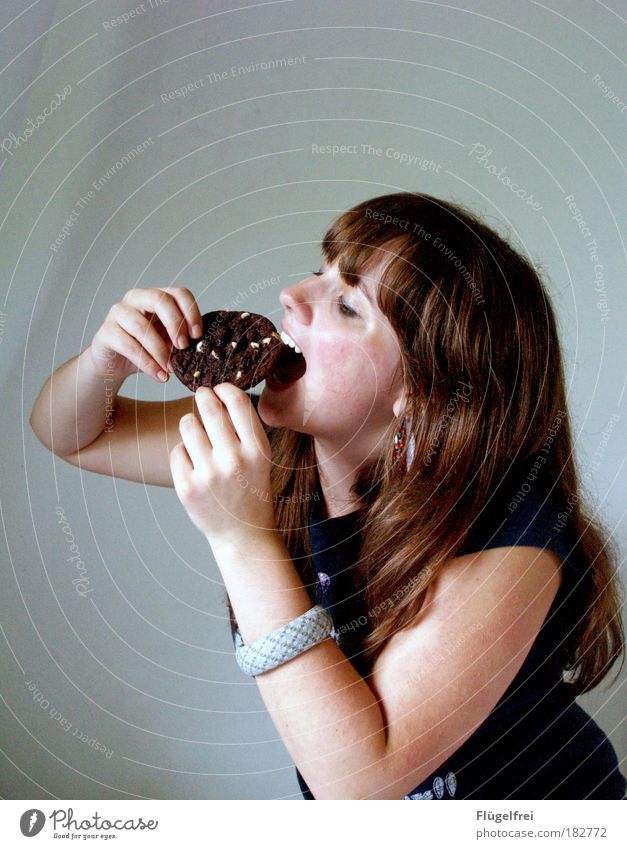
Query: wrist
[{"x": 255, "y": 546}]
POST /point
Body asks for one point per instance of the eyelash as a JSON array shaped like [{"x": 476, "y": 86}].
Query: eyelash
[{"x": 344, "y": 308}]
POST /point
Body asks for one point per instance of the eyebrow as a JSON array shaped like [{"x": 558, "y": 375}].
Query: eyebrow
[
  {"x": 358, "y": 285},
  {"x": 364, "y": 289}
]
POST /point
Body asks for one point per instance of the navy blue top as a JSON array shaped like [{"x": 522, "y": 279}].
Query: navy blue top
[{"x": 537, "y": 742}]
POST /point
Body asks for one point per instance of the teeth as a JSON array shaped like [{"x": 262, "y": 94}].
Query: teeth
[{"x": 289, "y": 341}]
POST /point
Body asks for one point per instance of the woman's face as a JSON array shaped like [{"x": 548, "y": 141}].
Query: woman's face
[{"x": 353, "y": 372}]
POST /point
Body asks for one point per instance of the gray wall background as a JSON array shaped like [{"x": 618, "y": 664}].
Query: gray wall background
[{"x": 226, "y": 194}]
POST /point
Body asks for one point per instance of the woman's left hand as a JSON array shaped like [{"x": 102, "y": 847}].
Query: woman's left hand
[{"x": 221, "y": 469}]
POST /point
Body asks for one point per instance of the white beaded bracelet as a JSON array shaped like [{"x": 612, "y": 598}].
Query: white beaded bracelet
[{"x": 286, "y": 642}]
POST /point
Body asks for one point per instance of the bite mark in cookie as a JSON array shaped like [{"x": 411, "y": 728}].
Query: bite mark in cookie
[{"x": 242, "y": 348}]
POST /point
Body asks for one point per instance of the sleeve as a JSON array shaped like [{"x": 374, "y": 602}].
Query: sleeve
[{"x": 537, "y": 521}]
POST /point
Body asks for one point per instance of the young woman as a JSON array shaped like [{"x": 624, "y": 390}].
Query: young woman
[{"x": 413, "y": 497}]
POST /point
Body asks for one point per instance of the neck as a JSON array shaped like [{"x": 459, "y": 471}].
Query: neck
[{"x": 337, "y": 471}]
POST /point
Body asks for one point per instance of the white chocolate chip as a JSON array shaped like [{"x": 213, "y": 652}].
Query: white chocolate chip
[
  {"x": 214, "y": 355},
  {"x": 196, "y": 374},
  {"x": 266, "y": 340},
  {"x": 254, "y": 344},
  {"x": 244, "y": 315},
  {"x": 238, "y": 375},
  {"x": 233, "y": 344},
  {"x": 200, "y": 345}
]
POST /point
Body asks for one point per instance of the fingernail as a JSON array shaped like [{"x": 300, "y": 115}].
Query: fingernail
[
  {"x": 162, "y": 376},
  {"x": 196, "y": 331},
  {"x": 181, "y": 342}
]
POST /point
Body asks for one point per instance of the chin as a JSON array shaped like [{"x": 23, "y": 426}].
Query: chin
[
  {"x": 278, "y": 409},
  {"x": 270, "y": 409}
]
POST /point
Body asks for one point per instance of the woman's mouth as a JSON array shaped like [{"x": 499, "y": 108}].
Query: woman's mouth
[
  {"x": 287, "y": 340},
  {"x": 289, "y": 368}
]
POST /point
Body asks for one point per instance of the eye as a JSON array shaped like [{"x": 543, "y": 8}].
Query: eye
[{"x": 344, "y": 308}]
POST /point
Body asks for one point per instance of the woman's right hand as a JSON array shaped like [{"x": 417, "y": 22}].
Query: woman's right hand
[{"x": 140, "y": 330}]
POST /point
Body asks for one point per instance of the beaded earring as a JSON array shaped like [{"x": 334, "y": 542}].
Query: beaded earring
[
  {"x": 400, "y": 437},
  {"x": 399, "y": 443}
]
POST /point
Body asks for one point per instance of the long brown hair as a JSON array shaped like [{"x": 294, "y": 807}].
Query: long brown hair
[{"x": 469, "y": 311}]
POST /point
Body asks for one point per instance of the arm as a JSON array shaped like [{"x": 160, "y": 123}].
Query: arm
[
  {"x": 326, "y": 714},
  {"x": 354, "y": 739},
  {"x": 76, "y": 403},
  {"x": 351, "y": 738},
  {"x": 73, "y": 406}
]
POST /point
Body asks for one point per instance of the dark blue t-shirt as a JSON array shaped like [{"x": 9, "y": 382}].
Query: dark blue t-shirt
[{"x": 537, "y": 742}]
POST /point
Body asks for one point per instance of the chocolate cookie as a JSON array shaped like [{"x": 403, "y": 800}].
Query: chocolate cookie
[{"x": 242, "y": 348}]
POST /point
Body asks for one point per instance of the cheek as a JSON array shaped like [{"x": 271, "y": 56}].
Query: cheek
[{"x": 346, "y": 366}]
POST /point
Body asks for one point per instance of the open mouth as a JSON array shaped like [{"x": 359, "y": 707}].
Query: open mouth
[{"x": 288, "y": 368}]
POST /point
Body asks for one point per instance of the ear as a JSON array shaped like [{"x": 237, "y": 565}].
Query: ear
[{"x": 399, "y": 404}]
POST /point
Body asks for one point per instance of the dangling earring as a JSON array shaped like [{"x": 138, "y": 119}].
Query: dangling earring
[
  {"x": 411, "y": 447},
  {"x": 400, "y": 438},
  {"x": 399, "y": 442}
]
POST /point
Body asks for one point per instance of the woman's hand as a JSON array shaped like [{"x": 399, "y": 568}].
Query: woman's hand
[
  {"x": 221, "y": 469},
  {"x": 140, "y": 330}
]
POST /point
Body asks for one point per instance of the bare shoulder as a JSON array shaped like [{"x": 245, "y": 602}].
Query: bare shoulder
[
  {"x": 438, "y": 680},
  {"x": 472, "y": 592}
]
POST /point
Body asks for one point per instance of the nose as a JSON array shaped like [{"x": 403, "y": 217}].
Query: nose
[{"x": 298, "y": 300}]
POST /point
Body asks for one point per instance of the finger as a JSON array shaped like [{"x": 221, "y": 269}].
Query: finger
[
  {"x": 180, "y": 465},
  {"x": 244, "y": 418},
  {"x": 188, "y": 309},
  {"x": 140, "y": 333},
  {"x": 175, "y": 308},
  {"x": 215, "y": 418},
  {"x": 129, "y": 347},
  {"x": 196, "y": 441}
]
